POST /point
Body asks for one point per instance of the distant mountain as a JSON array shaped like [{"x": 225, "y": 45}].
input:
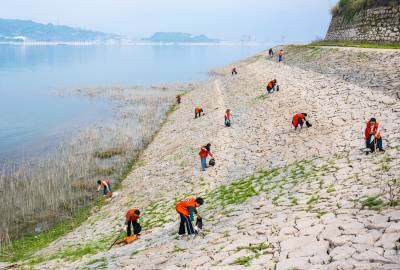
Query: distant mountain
[
  {"x": 23, "y": 30},
  {"x": 179, "y": 37}
]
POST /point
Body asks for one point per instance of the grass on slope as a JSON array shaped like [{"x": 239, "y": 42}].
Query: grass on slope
[
  {"x": 277, "y": 184},
  {"x": 355, "y": 44},
  {"x": 21, "y": 249}
]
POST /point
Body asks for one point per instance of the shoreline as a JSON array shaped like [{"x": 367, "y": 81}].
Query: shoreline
[
  {"x": 125, "y": 98},
  {"x": 291, "y": 198},
  {"x": 136, "y": 43}
]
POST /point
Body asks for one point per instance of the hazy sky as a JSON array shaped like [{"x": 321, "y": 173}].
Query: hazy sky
[{"x": 266, "y": 20}]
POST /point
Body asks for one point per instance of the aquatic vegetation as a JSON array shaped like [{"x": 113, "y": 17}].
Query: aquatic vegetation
[{"x": 38, "y": 193}]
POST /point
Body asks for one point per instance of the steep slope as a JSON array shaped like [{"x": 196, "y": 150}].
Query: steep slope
[{"x": 276, "y": 199}]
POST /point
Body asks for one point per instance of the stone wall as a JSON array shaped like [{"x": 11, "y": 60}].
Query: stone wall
[{"x": 380, "y": 24}]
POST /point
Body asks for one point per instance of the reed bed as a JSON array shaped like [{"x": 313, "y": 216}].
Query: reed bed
[{"x": 38, "y": 193}]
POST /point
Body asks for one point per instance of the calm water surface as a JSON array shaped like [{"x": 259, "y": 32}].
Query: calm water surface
[{"x": 32, "y": 117}]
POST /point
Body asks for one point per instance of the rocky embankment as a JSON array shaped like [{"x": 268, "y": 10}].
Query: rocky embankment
[
  {"x": 277, "y": 198},
  {"x": 371, "y": 68}
]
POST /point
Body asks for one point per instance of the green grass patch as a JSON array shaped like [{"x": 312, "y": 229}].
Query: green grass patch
[
  {"x": 178, "y": 249},
  {"x": 96, "y": 261},
  {"x": 245, "y": 261},
  {"x": 261, "y": 97},
  {"x": 21, "y": 249},
  {"x": 373, "y": 203},
  {"x": 293, "y": 201},
  {"x": 370, "y": 45},
  {"x": 331, "y": 188},
  {"x": 135, "y": 252},
  {"x": 256, "y": 249}
]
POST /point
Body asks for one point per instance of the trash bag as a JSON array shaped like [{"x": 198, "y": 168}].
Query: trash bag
[
  {"x": 109, "y": 194},
  {"x": 211, "y": 162},
  {"x": 308, "y": 124},
  {"x": 372, "y": 144},
  {"x": 199, "y": 223}
]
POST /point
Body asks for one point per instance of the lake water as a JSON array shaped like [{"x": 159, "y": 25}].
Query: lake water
[{"x": 32, "y": 117}]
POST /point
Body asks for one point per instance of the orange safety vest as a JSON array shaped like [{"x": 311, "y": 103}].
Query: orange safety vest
[
  {"x": 228, "y": 115},
  {"x": 270, "y": 85},
  {"x": 183, "y": 206},
  {"x": 203, "y": 152},
  {"x": 130, "y": 215},
  {"x": 280, "y": 53},
  {"x": 375, "y": 130},
  {"x": 296, "y": 118},
  {"x": 197, "y": 109}
]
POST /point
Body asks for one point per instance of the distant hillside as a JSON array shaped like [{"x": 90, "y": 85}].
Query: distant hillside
[
  {"x": 23, "y": 30},
  {"x": 179, "y": 37}
]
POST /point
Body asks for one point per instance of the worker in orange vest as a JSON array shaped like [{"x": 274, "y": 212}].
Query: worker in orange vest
[
  {"x": 299, "y": 119},
  {"x": 204, "y": 152},
  {"x": 178, "y": 99},
  {"x": 104, "y": 184},
  {"x": 228, "y": 117},
  {"x": 131, "y": 220},
  {"x": 185, "y": 209},
  {"x": 272, "y": 87},
  {"x": 198, "y": 111},
  {"x": 280, "y": 55},
  {"x": 372, "y": 131}
]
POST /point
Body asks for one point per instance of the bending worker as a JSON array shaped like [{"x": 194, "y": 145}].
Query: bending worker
[
  {"x": 234, "y": 71},
  {"x": 280, "y": 55},
  {"x": 198, "y": 111},
  {"x": 228, "y": 117},
  {"x": 204, "y": 152},
  {"x": 372, "y": 131},
  {"x": 105, "y": 184},
  {"x": 131, "y": 220},
  {"x": 185, "y": 209},
  {"x": 299, "y": 119},
  {"x": 272, "y": 86}
]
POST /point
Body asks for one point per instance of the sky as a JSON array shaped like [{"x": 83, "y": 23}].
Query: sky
[{"x": 263, "y": 20}]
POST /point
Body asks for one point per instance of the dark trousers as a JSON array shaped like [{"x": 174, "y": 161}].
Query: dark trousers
[
  {"x": 370, "y": 144},
  {"x": 299, "y": 124},
  {"x": 185, "y": 225},
  {"x": 136, "y": 227},
  {"x": 105, "y": 189}
]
